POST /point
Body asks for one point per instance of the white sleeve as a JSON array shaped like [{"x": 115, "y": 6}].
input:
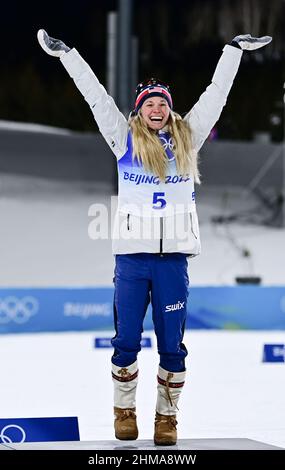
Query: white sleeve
[
  {"x": 207, "y": 110},
  {"x": 111, "y": 122}
]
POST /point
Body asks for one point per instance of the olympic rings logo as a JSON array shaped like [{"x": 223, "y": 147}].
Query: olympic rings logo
[
  {"x": 167, "y": 143},
  {"x": 17, "y": 310},
  {"x": 8, "y": 438}
]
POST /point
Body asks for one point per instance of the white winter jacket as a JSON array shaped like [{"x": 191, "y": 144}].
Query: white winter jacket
[{"x": 154, "y": 216}]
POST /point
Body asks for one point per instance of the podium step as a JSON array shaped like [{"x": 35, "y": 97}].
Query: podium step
[{"x": 140, "y": 444}]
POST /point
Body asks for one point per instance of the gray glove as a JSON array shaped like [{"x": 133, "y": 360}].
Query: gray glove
[
  {"x": 247, "y": 42},
  {"x": 51, "y": 46}
]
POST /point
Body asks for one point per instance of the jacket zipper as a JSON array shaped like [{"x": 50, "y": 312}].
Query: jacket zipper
[
  {"x": 128, "y": 221},
  {"x": 192, "y": 229},
  {"x": 161, "y": 237}
]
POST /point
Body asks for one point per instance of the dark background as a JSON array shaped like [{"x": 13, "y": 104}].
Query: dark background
[{"x": 179, "y": 42}]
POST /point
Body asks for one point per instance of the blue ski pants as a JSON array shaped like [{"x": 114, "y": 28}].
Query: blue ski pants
[{"x": 162, "y": 280}]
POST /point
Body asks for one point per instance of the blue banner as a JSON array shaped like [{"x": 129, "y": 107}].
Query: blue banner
[
  {"x": 35, "y": 310},
  {"x": 84, "y": 309},
  {"x": 106, "y": 343},
  {"x": 38, "y": 429},
  {"x": 238, "y": 307},
  {"x": 274, "y": 353}
]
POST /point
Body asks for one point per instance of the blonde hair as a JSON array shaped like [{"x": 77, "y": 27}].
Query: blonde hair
[{"x": 147, "y": 148}]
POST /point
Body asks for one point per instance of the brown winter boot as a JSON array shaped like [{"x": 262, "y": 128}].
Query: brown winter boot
[
  {"x": 169, "y": 387},
  {"x": 125, "y": 424},
  {"x": 165, "y": 433}
]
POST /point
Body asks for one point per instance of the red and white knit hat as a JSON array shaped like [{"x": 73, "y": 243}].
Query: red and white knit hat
[{"x": 152, "y": 87}]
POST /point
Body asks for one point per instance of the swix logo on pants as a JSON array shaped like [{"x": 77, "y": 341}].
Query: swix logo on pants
[{"x": 178, "y": 306}]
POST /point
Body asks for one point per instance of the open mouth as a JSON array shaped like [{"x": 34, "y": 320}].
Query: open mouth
[{"x": 156, "y": 118}]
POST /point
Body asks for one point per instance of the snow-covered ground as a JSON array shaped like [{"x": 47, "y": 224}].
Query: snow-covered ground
[
  {"x": 229, "y": 392},
  {"x": 32, "y": 127}
]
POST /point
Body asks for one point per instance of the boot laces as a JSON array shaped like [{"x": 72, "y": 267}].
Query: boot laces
[
  {"x": 170, "y": 420},
  {"x": 171, "y": 397},
  {"x": 125, "y": 414}
]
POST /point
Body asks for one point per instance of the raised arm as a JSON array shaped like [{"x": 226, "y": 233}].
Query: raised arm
[
  {"x": 111, "y": 122},
  {"x": 206, "y": 112}
]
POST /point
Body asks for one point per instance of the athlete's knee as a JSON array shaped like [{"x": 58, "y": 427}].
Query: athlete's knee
[{"x": 127, "y": 344}]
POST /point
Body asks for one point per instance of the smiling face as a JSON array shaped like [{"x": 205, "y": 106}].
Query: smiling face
[{"x": 155, "y": 112}]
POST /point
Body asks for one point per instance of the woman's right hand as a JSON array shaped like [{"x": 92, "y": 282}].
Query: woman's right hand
[
  {"x": 247, "y": 42},
  {"x": 51, "y": 46}
]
